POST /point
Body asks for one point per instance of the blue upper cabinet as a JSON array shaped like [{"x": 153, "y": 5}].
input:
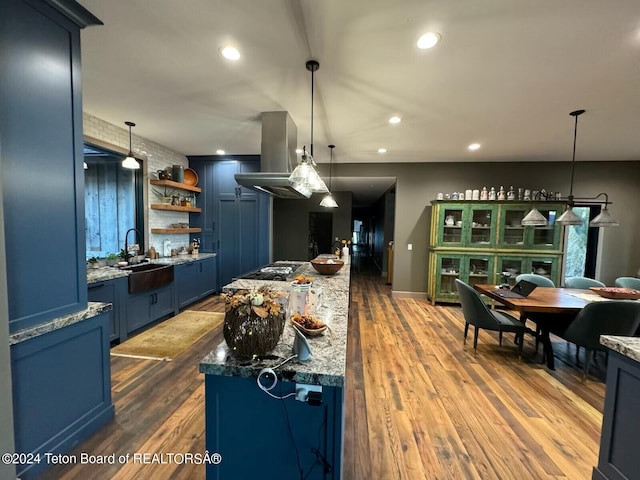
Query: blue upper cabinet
[
  {"x": 235, "y": 220},
  {"x": 41, "y": 159}
]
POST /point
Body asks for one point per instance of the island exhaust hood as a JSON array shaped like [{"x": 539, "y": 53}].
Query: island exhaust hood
[{"x": 277, "y": 158}]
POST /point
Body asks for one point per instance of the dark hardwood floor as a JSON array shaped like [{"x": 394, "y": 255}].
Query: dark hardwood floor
[{"x": 419, "y": 405}]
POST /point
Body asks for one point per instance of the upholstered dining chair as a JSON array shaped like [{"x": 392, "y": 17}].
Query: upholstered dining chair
[
  {"x": 582, "y": 282},
  {"x": 602, "y": 318},
  {"x": 476, "y": 313},
  {"x": 628, "y": 282},
  {"x": 541, "y": 281}
]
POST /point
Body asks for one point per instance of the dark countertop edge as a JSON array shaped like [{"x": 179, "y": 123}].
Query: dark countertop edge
[
  {"x": 110, "y": 273},
  {"x": 93, "y": 309}
]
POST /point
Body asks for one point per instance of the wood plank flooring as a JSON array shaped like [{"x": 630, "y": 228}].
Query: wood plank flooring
[{"x": 419, "y": 405}]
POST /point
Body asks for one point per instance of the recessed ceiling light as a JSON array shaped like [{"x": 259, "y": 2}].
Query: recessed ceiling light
[
  {"x": 429, "y": 40},
  {"x": 474, "y": 146},
  {"x": 229, "y": 52},
  {"x": 395, "y": 119},
  {"x": 220, "y": 152},
  {"x": 298, "y": 151},
  {"x": 382, "y": 150}
]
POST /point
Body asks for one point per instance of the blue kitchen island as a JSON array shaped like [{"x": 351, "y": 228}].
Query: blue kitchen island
[{"x": 258, "y": 436}]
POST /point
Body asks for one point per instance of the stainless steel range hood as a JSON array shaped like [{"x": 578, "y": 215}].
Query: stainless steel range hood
[{"x": 277, "y": 158}]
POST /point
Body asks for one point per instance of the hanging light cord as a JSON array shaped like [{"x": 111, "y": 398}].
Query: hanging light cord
[
  {"x": 574, "y": 114},
  {"x": 311, "y": 145},
  {"x": 330, "y": 165}
]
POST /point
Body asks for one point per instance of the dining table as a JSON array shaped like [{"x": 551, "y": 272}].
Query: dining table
[{"x": 549, "y": 308}]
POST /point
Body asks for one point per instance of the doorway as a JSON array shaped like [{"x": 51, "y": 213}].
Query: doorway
[{"x": 320, "y": 233}]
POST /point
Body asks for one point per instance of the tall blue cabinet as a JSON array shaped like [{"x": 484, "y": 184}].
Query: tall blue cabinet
[
  {"x": 234, "y": 220},
  {"x": 60, "y": 375}
]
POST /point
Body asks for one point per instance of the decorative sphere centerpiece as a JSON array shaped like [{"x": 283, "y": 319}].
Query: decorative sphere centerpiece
[{"x": 254, "y": 321}]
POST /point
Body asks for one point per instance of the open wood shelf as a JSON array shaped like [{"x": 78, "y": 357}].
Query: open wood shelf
[
  {"x": 170, "y": 183},
  {"x": 176, "y": 230},
  {"x": 176, "y": 208}
]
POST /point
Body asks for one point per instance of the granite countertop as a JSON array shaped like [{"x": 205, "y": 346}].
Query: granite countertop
[
  {"x": 93, "y": 309},
  {"x": 327, "y": 364},
  {"x": 627, "y": 346},
  {"x": 102, "y": 274}
]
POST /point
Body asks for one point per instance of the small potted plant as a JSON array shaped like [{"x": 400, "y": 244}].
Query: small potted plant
[
  {"x": 112, "y": 259},
  {"x": 93, "y": 262}
]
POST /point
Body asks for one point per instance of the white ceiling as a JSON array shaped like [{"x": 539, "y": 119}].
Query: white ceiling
[{"x": 506, "y": 74}]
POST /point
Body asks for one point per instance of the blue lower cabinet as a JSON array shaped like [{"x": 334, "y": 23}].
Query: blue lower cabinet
[
  {"x": 186, "y": 280},
  {"x": 61, "y": 389},
  {"x": 147, "y": 307},
  {"x": 194, "y": 281},
  {"x": 261, "y": 437},
  {"x": 618, "y": 459},
  {"x": 114, "y": 292}
]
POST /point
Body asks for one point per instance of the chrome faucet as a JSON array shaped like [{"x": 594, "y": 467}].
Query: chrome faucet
[{"x": 126, "y": 244}]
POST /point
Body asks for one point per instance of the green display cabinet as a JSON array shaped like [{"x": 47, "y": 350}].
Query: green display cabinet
[
  {"x": 475, "y": 241},
  {"x": 471, "y": 269}
]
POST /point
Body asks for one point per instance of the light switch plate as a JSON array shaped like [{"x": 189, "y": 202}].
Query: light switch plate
[{"x": 410, "y": 246}]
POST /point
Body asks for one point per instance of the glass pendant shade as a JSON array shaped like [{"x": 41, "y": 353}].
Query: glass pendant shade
[
  {"x": 534, "y": 219},
  {"x": 328, "y": 201},
  {"x": 130, "y": 162},
  {"x": 306, "y": 176},
  {"x": 569, "y": 217},
  {"x": 604, "y": 219}
]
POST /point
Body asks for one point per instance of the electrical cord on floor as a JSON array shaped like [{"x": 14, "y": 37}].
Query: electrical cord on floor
[{"x": 293, "y": 440}]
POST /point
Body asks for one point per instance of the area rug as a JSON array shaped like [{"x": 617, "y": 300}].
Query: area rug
[{"x": 168, "y": 339}]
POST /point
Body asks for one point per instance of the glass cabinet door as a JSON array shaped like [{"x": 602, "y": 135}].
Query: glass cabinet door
[
  {"x": 547, "y": 237},
  {"x": 451, "y": 225},
  {"x": 447, "y": 271},
  {"x": 547, "y": 267},
  {"x": 481, "y": 226},
  {"x": 513, "y": 266},
  {"x": 479, "y": 269},
  {"x": 511, "y": 232}
]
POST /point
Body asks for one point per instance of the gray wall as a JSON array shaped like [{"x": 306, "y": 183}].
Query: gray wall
[
  {"x": 291, "y": 224},
  {"x": 6, "y": 400},
  {"x": 418, "y": 183}
]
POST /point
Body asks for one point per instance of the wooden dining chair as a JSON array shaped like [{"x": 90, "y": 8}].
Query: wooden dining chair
[
  {"x": 582, "y": 282},
  {"x": 628, "y": 282},
  {"x": 601, "y": 318},
  {"x": 476, "y": 313}
]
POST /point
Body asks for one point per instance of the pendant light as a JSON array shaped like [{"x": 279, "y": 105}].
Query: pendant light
[
  {"x": 305, "y": 175},
  {"x": 534, "y": 219},
  {"x": 604, "y": 218},
  {"x": 130, "y": 162},
  {"x": 328, "y": 201},
  {"x": 569, "y": 217}
]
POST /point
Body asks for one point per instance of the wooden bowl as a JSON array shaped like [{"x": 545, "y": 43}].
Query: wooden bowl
[
  {"x": 308, "y": 331},
  {"x": 190, "y": 177},
  {"x": 326, "y": 266},
  {"x": 617, "y": 293}
]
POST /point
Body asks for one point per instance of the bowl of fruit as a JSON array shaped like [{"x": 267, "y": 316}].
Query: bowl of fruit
[
  {"x": 617, "y": 293},
  {"x": 308, "y": 324}
]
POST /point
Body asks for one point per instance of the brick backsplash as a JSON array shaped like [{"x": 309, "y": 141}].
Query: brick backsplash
[{"x": 158, "y": 157}]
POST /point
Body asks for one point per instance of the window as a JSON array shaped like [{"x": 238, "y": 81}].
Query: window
[{"x": 113, "y": 202}]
